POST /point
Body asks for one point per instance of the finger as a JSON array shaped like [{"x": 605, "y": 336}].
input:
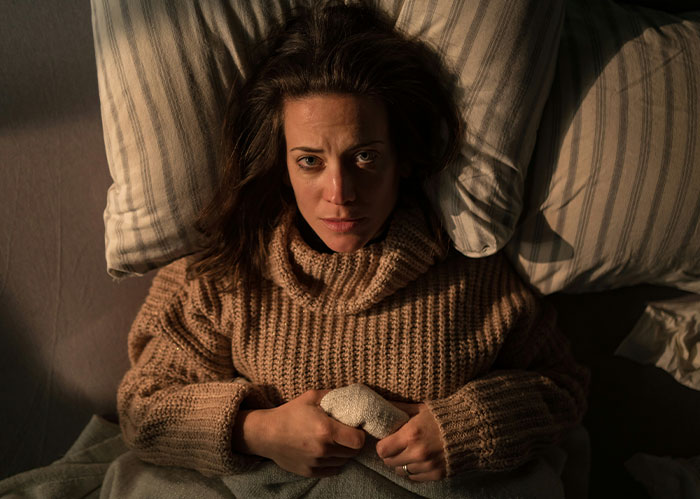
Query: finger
[
  {"x": 335, "y": 450},
  {"x": 347, "y": 436},
  {"x": 415, "y": 453},
  {"x": 409, "y": 455},
  {"x": 410, "y": 409},
  {"x": 430, "y": 476},
  {"x": 390, "y": 446},
  {"x": 416, "y": 468}
]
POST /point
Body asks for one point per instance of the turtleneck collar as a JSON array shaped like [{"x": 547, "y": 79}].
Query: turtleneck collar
[{"x": 348, "y": 283}]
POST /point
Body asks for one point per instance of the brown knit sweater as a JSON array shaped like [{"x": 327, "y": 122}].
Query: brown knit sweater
[{"x": 402, "y": 316}]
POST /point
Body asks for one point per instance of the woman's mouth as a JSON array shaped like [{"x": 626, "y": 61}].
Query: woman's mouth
[{"x": 342, "y": 224}]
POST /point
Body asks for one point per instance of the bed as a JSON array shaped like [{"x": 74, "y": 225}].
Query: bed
[{"x": 64, "y": 319}]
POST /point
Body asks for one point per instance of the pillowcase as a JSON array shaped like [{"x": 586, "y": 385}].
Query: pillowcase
[
  {"x": 613, "y": 191},
  {"x": 666, "y": 335},
  {"x": 164, "y": 70}
]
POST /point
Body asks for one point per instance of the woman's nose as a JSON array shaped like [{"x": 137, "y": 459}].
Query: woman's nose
[{"x": 340, "y": 185}]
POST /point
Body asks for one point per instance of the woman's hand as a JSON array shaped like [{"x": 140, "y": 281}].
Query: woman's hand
[
  {"x": 298, "y": 436},
  {"x": 417, "y": 444}
]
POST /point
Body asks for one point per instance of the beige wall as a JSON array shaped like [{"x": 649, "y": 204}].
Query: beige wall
[{"x": 63, "y": 322}]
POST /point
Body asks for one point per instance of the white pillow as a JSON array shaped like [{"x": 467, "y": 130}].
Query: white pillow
[
  {"x": 666, "y": 335},
  {"x": 613, "y": 196},
  {"x": 164, "y": 68}
]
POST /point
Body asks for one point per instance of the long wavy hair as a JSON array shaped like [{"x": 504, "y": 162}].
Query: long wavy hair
[{"x": 334, "y": 48}]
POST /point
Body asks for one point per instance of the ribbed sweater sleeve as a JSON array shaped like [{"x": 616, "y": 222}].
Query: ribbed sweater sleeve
[
  {"x": 534, "y": 393},
  {"x": 178, "y": 402}
]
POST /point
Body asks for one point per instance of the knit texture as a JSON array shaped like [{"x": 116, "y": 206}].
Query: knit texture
[
  {"x": 361, "y": 407},
  {"x": 402, "y": 316}
]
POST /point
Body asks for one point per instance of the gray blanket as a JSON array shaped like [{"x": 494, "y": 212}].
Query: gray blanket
[{"x": 99, "y": 465}]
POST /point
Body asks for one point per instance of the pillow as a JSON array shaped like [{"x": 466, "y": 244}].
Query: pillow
[
  {"x": 666, "y": 335},
  {"x": 164, "y": 70},
  {"x": 613, "y": 191}
]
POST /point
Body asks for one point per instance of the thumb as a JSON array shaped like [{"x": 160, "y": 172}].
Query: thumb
[
  {"x": 410, "y": 409},
  {"x": 347, "y": 436}
]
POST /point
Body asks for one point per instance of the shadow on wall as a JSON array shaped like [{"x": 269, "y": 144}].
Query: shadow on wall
[
  {"x": 63, "y": 322},
  {"x": 61, "y": 363},
  {"x": 41, "y": 417}
]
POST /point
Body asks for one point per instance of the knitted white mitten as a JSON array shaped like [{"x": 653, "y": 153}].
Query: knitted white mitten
[{"x": 359, "y": 406}]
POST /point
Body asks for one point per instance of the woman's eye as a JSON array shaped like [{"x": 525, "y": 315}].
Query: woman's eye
[
  {"x": 366, "y": 157},
  {"x": 308, "y": 162}
]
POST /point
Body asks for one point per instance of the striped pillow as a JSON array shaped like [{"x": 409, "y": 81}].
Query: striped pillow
[
  {"x": 164, "y": 68},
  {"x": 613, "y": 194}
]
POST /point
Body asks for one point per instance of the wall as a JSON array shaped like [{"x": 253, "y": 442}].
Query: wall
[{"x": 63, "y": 322}]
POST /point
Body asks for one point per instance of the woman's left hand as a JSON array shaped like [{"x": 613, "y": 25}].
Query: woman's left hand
[{"x": 417, "y": 444}]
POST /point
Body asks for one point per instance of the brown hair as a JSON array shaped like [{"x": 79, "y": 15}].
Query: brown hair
[{"x": 329, "y": 49}]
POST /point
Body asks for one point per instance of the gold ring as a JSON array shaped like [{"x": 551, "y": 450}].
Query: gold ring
[{"x": 405, "y": 470}]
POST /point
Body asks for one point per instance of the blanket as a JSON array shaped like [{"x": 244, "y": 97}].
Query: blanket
[{"x": 99, "y": 465}]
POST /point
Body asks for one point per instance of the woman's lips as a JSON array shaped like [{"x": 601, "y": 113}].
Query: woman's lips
[{"x": 342, "y": 224}]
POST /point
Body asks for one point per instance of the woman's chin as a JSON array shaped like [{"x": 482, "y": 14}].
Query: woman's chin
[{"x": 346, "y": 243}]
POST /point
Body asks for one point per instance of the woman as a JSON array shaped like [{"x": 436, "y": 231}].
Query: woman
[{"x": 333, "y": 270}]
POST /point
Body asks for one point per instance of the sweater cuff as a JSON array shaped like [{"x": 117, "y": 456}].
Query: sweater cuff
[
  {"x": 460, "y": 430},
  {"x": 497, "y": 422},
  {"x": 196, "y": 430}
]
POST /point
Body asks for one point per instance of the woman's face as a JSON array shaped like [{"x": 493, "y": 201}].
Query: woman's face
[{"x": 342, "y": 166}]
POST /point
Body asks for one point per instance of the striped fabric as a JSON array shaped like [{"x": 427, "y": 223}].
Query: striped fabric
[
  {"x": 613, "y": 194},
  {"x": 164, "y": 69}
]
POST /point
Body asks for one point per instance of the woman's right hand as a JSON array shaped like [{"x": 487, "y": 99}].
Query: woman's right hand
[{"x": 299, "y": 436}]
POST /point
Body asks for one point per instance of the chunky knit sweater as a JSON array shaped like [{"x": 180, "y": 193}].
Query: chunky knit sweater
[{"x": 412, "y": 321}]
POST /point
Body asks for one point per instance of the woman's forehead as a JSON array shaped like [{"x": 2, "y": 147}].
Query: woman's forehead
[
  {"x": 335, "y": 111},
  {"x": 334, "y": 116}
]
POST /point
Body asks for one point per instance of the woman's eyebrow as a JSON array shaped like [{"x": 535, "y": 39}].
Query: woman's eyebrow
[
  {"x": 367, "y": 144},
  {"x": 305, "y": 149},
  {"x": 356, "y": 146}
]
